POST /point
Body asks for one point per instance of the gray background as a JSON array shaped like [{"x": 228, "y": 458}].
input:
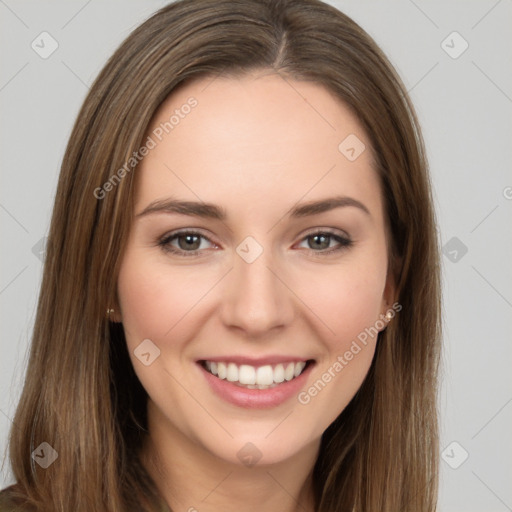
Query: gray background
[{"x": 464, "y": 104}]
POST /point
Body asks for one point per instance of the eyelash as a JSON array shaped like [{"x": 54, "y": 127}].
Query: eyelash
[{"x": 344, "y": 242}]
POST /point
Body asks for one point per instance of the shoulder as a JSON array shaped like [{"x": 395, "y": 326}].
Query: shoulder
[{"x": 7, "y": 501}]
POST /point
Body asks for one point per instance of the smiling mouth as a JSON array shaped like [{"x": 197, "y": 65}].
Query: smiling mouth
[{"x": 252, "y": 377}]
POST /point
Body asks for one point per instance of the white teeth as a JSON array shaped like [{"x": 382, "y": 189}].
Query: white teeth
[
  {"x": 247, "y": 374},
  {"x": 232, "y": 372},
  {"x": 221, "y": 370},
  {"x": 298, "y": 368},
  {"x": 289, "y": 371},
  {"x": 262, "y": 377},
  {"x": 279, "y": 373}
]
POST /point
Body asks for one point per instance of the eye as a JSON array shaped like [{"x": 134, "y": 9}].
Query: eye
[
  {"x": 320, "y": 242},
  {"x": 190, "y": 243},
  {"x": 185, "y": 243}
]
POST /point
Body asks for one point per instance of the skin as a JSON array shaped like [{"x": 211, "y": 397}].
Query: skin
[{"x": 255, "y": 147}]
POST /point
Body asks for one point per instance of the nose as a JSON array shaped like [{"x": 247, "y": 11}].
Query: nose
[{"x": 256, "y": 299}]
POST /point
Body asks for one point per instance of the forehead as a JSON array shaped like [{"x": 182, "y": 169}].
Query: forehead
[{"x": 256, "y": 139}]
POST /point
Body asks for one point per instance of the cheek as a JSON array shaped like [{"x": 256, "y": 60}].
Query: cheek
[
  {"x": 154, "y": 298},
  {"x": 349, "y": 304},
  {"x": 346, "y": 298}
]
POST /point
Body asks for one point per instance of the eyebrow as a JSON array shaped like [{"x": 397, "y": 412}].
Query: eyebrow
[{"x": 212, "y": 211}]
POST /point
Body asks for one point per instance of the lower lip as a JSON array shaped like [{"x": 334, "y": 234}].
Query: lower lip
[{"x": 256, "y": 398}]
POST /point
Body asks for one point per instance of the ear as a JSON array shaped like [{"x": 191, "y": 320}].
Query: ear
[
  {"x": 389, "y": 294},
  {"x": 115, "y": 311},
  {"x": 389, "y": 298},
  {"x": 116, "y": 317}
]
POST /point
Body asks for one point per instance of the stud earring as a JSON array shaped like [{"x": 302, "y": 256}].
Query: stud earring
[
  {"x": 109, "y": 312},
  {"x": 389, "y": 316}
]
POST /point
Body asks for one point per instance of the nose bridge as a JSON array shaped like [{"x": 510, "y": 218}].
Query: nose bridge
[{"x": 256, "y": 300}]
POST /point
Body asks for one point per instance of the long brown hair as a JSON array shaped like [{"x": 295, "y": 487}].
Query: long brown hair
[{"x": 381, "y": 453}]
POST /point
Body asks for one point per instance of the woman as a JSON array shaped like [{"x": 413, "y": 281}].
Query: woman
[{"x": 240, "y": 301}]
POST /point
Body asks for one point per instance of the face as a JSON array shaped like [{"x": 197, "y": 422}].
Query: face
[{"x": 231, "y": 269}]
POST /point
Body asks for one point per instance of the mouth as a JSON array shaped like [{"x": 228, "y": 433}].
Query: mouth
[{"x": 256, "y": 377}]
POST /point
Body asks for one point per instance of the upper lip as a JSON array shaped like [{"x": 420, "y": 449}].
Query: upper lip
[{"x": 255, "y": 361}]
